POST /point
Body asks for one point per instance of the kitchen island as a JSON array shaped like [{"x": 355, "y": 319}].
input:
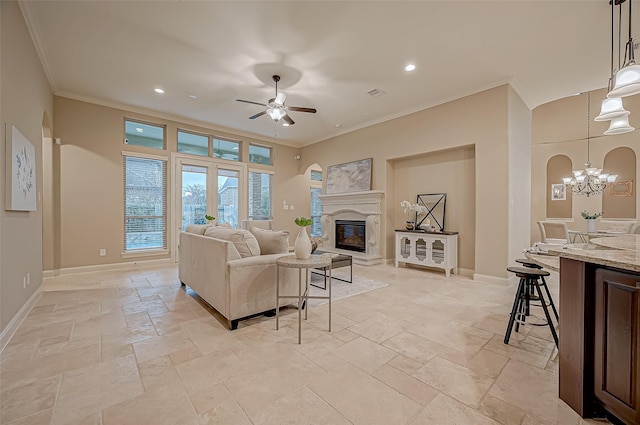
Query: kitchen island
[{"x": 600, "y": 328}]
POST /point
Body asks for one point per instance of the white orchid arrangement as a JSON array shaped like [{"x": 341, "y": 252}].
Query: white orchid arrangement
[{"x": 411, "y": 210}]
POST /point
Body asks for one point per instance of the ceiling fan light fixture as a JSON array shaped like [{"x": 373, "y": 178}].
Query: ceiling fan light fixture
[
  {"x": 276, "y": 113},
  {"x": 280, "y": 98},
  {"x": 619, "y": 125},
  {"x": 611, "y": 108}
]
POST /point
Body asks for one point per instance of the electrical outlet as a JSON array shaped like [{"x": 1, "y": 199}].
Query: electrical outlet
[
  {"x": 103, "y": 252},
  {"x": 24, "y": 283},
  {"x": 285, "y": 207},
  {"x": 290, "y": 207}
]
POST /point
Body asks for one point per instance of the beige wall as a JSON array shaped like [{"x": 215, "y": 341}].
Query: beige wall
[
  {"x": 480, "y": 120},
  {"x": 519, "y": 166},
  {"x": 25, "y": 102},
  {"x": 622, "y": 162},
  {"x": 558, "y": 167},
  {"x": 452, "y": 172},
  {"x": 560, "y": 128},
  {"x": 90, "y": 190}
]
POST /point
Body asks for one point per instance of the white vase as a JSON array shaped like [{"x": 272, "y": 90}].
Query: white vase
[
  {"x": 302, "y": 246},
  {"x": 591, "y": 225}
]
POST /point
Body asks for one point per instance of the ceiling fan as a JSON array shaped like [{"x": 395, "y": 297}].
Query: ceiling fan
[{"x": 276, "y": 108}]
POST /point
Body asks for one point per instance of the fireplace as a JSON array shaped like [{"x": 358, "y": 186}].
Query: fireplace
[
  {"x": 362, "y": 209},
  {"x": 350, "y": 235}
]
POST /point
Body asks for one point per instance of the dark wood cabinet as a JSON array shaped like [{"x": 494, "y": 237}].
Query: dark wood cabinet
[{"x": 617, "y": 343}]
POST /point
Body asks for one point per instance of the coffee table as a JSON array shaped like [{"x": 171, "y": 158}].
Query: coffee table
[{"x": 337, "y": 261}]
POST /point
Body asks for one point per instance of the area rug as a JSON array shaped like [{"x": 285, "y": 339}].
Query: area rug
[{"x": 340, "y": 289}]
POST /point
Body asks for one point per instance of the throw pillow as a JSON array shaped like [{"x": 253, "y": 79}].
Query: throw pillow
[
  {"x": 244, "y": 241},
  {"x": 198, "y": 229},
  {"x": 271, "y": 241}
]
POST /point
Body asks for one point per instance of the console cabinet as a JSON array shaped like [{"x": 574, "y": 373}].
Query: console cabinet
[{"x": 429, "y": 249}]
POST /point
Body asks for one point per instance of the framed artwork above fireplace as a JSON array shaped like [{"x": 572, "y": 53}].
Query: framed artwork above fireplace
[{"x": 349, "y": 177}]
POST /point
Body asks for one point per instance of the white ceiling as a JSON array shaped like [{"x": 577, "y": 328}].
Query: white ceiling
[{"x": 329, "y": 54}]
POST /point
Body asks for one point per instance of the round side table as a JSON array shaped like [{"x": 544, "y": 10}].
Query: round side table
[{"x": 291, "y": 261}]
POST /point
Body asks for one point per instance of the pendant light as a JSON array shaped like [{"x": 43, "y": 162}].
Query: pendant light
[
  {"x": 612, "y": 106},
  {"x": 627, "y": 80},
  {"x": 619, "y": 125}
]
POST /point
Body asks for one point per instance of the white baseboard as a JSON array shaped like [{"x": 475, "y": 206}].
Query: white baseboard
[
  {"x": 12, "y": 327},
  {"x": 105, "y": 267},
  {"x": 492, "y": 279}
]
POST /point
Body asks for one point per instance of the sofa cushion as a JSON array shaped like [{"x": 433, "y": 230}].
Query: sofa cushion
[
  {"x": 198, "y": 229},
  {"x": 271, "y": 241},
  {"x": 243, "y": 240}
]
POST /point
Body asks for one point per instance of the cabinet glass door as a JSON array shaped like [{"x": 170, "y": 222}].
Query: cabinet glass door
[
  {"x": 405, "y": 247},
  {"x": 437, "y": 251},
  {"x": 421, "y": 249}
]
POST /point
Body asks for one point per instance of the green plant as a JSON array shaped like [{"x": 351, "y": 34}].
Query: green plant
[
  {"x": 209, "y": 217},
  {"x": 589, "y": 216},
  {"x": 303, "y": 221}
]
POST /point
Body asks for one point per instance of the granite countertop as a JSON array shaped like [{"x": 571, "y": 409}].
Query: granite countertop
[{"x": 622, "y": 252}]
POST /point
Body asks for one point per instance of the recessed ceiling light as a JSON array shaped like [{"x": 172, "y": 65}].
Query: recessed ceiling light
[
  {"x": 139, "y": 130},
  {"x": 410, "y": 67},
  {"x": 338, "y": 125},
  {"x": 193, "y": 96},
  {"x": 158, "y": 90},
  {"x": 285, "y": 124}
]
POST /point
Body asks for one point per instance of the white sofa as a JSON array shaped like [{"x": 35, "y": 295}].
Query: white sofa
[{"x": 225, "y": 268}]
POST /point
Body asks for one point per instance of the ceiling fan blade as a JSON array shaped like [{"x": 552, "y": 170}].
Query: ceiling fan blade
[
  {"x": 288, "y": 120},
  {"x": 280, "y": 98},
  {"x": 249, "y": 101},
  {"x": 259, "y": 114},
  {"x": 300, "y": 109}
]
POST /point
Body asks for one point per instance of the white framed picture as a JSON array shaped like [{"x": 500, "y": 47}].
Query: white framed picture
[
  {"x": 558, "y": 192},
  {"x": 21, "y": 176}
]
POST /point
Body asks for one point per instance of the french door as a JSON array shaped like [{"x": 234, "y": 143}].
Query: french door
[{"x": 205, "y": 186}]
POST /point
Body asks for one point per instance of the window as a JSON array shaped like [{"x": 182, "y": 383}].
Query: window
[
  {"x": 194, "y": 195},
  {"x": 195, "y": 144},
  {"x": 226, "y": 149},
  {"x": 316, "y": 203},
  {"x": 228, "y": 196},
  {"x": 259, "y": 154},
  {"x": 142, "y": 134},
  {"x": 259, "y": 196},
  {"x": 316, "y": 211},
  {"x": 145, "y": 203}
]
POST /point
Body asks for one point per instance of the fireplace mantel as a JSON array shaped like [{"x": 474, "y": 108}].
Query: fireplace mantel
[{"x": 365, "y": 206}]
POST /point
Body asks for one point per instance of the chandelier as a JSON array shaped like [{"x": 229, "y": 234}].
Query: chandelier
[{"x": 590, "y": 181}]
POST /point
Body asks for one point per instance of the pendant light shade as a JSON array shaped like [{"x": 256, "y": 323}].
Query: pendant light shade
[
  {"x": 619, "y": 126},
  {"x": 627, "y": 81},
  {"x": 611, "y": 108}
]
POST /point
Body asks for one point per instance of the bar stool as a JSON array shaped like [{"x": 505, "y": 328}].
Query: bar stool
[
  {"x": 530, "y": 264},
  {"x": 528, "y": 286}
]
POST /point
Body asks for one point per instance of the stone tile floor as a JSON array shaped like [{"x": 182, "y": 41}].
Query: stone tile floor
[{"x": 134, "y": 347}]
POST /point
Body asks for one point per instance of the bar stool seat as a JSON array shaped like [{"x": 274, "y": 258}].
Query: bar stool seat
[
  {"x": 529, "y": 289},
  {"x": 530, "y": 264}
]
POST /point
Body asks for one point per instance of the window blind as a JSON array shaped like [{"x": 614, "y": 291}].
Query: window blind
[{"x": 145, "y": 203}]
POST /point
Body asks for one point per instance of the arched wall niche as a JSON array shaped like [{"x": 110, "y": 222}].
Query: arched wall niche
[
  {"x": 559, "y": 200},
  {"x": 619, "y": 198}
]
